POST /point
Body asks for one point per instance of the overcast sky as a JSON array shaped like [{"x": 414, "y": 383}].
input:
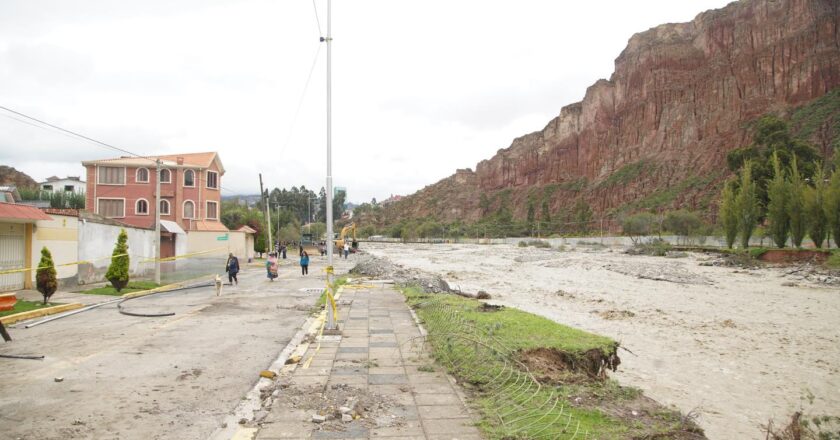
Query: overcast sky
[{"x": 420, "y": 88}]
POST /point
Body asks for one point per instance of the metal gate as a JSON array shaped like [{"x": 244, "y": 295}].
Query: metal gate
[{"x": 12, "y": 255}]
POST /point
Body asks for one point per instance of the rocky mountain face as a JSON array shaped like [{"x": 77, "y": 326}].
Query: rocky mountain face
[
  {"x": 11, "y": 176},
  {"x": 655, "y": 135}
]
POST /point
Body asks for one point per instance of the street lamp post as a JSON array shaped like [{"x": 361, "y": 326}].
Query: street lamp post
[{"x": 330, "y": 316}]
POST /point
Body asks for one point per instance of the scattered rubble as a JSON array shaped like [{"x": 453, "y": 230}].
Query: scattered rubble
[{"x": 383, "y": 268}]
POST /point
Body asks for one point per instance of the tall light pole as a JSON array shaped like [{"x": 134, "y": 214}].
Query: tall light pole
[
  {"x": 157, "y": 221},
  {"x": 330, "y": 318}
]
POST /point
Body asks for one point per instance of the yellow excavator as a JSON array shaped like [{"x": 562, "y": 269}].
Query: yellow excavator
[{"x": 339, "y": 244}]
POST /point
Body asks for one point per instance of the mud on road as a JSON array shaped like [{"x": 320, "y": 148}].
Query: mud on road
[
  {"x": 738, "y": 346},
  {"x": 151, "y": 378}
]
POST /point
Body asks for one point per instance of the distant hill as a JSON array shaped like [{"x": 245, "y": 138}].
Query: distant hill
[
  {"x": 11, "y": 176},
  {"x": 656, "y": 134}
]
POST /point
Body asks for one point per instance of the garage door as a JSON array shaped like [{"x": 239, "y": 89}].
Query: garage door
[{"x": 12, "y": 255}]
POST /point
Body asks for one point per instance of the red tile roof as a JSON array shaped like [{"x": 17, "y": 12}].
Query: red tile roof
[
  {"x": 61, "y": 211},
  {"x": 11, "y": 211},
  {"x": 200, "y": 225},
  {"x": 247, "y": 229}
]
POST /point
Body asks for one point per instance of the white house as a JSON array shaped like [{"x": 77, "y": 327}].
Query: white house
[{"x": 68, "y": 184}]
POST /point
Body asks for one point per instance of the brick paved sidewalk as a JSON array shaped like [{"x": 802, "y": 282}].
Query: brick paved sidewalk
[{"x": 375, "y": 360}]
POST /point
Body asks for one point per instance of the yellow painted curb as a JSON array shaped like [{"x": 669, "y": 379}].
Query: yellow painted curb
[{"x": 22, "y": 316}]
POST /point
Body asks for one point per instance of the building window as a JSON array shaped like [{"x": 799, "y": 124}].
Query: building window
[
  {"x": 189, "y": 209},
  {"x": 165, "y": 176},
  {"x": 112, "y": 175},
  {"x": 69, "y": 188},
  {"x": 142, "y": 207},
  {"x": 111, "y": 208},
  {"x": 212, "y": 210},
  {"x": 189, "y": 178},
  {"x": 213, "y": 180},
  {"x": 142, "y": 175},
  {"x": 164, "y": 207},
  {"x": 46, "y": 187}
]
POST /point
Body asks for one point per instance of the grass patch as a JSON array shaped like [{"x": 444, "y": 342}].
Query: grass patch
[
  {"x": 486, "y": 349},
  {"x": 668, "y": 194},
  {"x": 322, "y": 300},
  {"x": 626, "y": 174},
  {"x": 133, "y": 286},
  {"x": 535, "y": 243},
  {"x": 25, "y": 306},
  {"x": 833, "y": 260}
]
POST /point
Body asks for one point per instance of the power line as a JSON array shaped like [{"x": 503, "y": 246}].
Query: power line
[
  {"x": 67, "y": 132},
  {"x": 72, "y": 132},
  {"x": 300, "y": 102},
  {"x": 317, "y": 20}
]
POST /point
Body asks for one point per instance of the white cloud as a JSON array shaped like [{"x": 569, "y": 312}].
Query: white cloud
[{"x": 420, "y": 88}]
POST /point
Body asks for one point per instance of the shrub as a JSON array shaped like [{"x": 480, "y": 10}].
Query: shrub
[
  {"x": 118, "y": 270},
  {"x": 683, "y": 223},
  {"x": 814, "y": 207},
  {"x": 45, "y": 277},
  {"x": 728, "y": 214},
  {"x": 832, "y": 204},
  {"x": 796, "y": 205},
  {"x": 777, "y": 194},
  {"x": 746, "y": 203},
  {"x": 656, "y": 247},
  {"x": 638, "y": 225}
]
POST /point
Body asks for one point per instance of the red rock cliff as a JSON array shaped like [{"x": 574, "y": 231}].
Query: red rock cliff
[{"x": 656, "y": 134}]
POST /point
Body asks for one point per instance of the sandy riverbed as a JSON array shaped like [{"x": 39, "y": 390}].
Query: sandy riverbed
[{"x": 735, "y": 345}]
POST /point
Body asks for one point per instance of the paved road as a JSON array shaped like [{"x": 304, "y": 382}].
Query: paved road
[{"x": 147, "y": 378}]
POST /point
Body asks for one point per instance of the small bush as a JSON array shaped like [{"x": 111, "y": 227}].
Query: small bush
[
  {"x": 656, "y": 248},
  {"x": 118, "y": 270},
  {"x": 45, "y": 277},
  {"x": 756, "y": 253}
]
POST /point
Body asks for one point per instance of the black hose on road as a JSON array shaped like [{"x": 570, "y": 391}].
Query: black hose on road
[
  {"x": 157, "y": 315},
  {"x": 21, "y": 356}
]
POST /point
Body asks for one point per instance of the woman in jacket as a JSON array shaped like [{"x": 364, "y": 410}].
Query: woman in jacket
[{"x": 304, "y": 263}]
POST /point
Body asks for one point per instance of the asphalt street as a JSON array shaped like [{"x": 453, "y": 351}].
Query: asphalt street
[{"x": 106, "y": 375}]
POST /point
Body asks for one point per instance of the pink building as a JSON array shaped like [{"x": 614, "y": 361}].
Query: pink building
[{"x": 190, "y": 187}]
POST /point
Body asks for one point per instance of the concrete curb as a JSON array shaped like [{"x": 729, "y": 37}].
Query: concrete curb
[
  {"x": 246, "y": 409},
  {"x": 31, "y": 314}
]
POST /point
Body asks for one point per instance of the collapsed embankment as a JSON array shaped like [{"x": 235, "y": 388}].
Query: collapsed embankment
[{"x": 530, "y": 377}]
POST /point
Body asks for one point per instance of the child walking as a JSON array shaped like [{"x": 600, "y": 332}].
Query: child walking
[{"x": 304, "y": 263}]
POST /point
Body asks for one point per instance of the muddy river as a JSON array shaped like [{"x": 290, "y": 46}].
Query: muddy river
[{"x": 739, "y": 347}]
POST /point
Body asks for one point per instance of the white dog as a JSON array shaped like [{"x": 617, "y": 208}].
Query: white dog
[{"x": 218, "y": 285}]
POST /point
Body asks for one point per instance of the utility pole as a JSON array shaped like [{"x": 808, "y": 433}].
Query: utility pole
[
  {"x": 157, "y": 221},
  {"x": 268, "y": 244},
  {"x": 330, "y": 325}
]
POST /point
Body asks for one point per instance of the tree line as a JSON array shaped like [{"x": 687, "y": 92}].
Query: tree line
[
  {"x": 291, "y": 209},
  {"x": 783, "y": 183}
]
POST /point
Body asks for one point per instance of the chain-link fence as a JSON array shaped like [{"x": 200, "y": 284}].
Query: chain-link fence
[{"x": 513, "y": 402}]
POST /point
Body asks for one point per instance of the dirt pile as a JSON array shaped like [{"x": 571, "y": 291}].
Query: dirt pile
[
  {"x": 341, "y": 407},
  {"x": 378, "y": 267}
]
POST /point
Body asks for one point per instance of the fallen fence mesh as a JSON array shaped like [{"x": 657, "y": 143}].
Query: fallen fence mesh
[{"x": 514, "y": 403}]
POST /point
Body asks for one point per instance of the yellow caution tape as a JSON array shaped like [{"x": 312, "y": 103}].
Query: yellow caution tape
[{"x": 76, "y": 263}]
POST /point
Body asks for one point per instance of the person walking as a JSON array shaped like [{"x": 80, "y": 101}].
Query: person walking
[
  {"x": 346, "y": 249},
  {"x": 283, "y": 250},
  {"x": 271, "y": 267},
  {"x": 232, "y": 268},
  {"x": 304, "y": 263}
]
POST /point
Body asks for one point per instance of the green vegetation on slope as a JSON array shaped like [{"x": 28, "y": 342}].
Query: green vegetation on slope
[
  {"x": 627, "y": 173},
  {"x": 533, "y": 378}
]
